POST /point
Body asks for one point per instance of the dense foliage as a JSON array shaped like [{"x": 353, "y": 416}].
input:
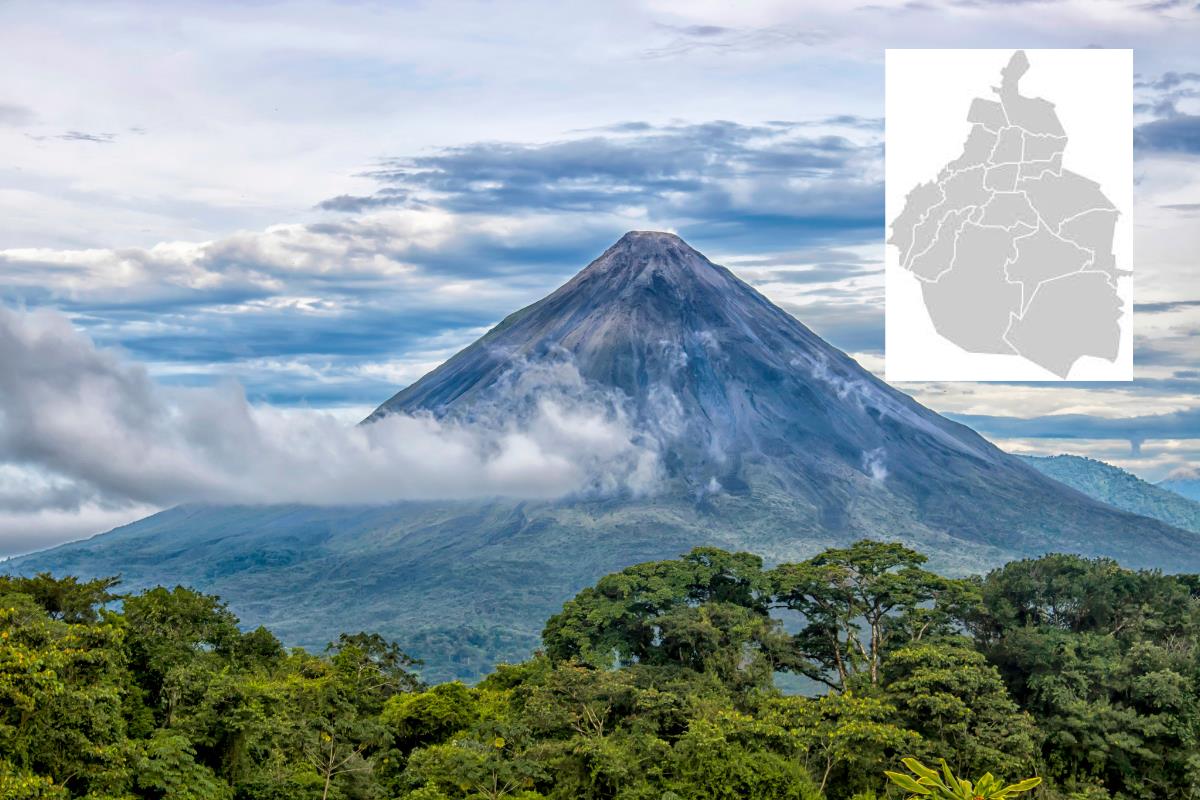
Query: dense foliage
[{"x": 658, "y": 682}]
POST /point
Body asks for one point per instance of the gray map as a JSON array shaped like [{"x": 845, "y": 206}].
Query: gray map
[{"x": 1015, "y": 253}]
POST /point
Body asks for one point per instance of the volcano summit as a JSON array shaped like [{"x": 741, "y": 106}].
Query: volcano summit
[{"x": 763, "y": 436}]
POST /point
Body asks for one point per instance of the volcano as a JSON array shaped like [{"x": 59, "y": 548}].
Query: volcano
[{"x": 767, "y": 439}]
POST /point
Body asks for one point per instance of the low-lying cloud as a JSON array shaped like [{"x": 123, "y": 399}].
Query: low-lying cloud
[{"x": 91, "y": 427}]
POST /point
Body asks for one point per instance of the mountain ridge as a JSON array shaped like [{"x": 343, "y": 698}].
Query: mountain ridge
[
  {"x": 1119, "y": 488},
  {"x": 1185, "y": 484}
]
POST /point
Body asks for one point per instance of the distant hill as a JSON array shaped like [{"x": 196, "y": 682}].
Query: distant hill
[
  {"x": 1187, "y": 485},
  {"x": 768, "y": 438},
  {"x": 1119, "y": 488}
]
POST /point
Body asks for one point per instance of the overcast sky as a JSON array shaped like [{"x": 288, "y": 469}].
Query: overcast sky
[{"x": 319, "y": 202}]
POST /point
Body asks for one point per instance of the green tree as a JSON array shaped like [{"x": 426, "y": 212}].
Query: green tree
[
  {"x": 853, "y": 602},
  {"x": 166, "y": 768},
  {"x": 708, "y": 611},
  {"x": 257, "y": 648},
  {"x": 607, "y": 733},
  {"x": 18, "y": 784},
  {"x": 332, "y": 758},
  {"x": 67, "y": 599},
  {"x": 727, "y": 755},
  {"x": 430, "y": 716},
  {"x": 948, "y": 693},
  {"x": 489, "y": 766},
  {"x": 61, "y": 686},
  {"x": 373, "y": 669},
  {"x": 844, "y": 739},
  {"x": 172, "y": 635}
]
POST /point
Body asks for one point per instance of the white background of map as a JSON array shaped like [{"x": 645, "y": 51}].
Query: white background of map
[{"x": 928, "y": 94}]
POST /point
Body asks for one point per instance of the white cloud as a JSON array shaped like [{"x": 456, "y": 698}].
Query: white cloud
[
  {"x": 199, "y": 151},
  {"x": 99, "y": 427}
]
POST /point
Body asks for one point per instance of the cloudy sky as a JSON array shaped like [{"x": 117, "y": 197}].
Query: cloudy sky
[{"x": 311, "y": 204}]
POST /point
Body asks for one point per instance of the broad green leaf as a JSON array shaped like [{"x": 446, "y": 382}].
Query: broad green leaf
[
  {"x": 907, "y": 784},
  {"x": 950, "y": 779},
  {"x": 918, "y": 768},
  {"x": 1023, "y": 786},
  {"x": 986, "y": 784}
]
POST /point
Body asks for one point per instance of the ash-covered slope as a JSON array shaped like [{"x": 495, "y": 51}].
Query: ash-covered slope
[{"x": 768, "y": 440}]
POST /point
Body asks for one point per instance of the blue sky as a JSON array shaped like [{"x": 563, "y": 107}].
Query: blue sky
[{"x": 322, "y": 201}]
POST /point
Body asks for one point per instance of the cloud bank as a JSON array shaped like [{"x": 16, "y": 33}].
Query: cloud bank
[
  {"x": 380, "y": 287},
  {"x": 84, "y": 426},
  {"x": 736, "y": 177},
  {"x": 1174, "y": 426}
]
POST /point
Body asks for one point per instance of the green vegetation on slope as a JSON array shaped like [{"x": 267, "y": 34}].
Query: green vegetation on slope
[
  {"x": 656, "y": 682},
  {"x": 1119, "y": 488}
]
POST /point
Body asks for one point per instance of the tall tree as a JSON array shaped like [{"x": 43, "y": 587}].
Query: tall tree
[
  {"x": 947, "y": 692},
  {"x": 61, "y": 690},
  {"x": 843, "y": 739},
  {"x": 852, "y": 601},
  {"x": 708, "y": 611},
  {"x": 172, "y": 633},
  {"x": 68, "y": 599},
  {"x": 372, "y": 668}
]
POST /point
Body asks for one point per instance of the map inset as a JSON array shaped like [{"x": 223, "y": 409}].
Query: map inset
[{"x": 1013, "y": 252}]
